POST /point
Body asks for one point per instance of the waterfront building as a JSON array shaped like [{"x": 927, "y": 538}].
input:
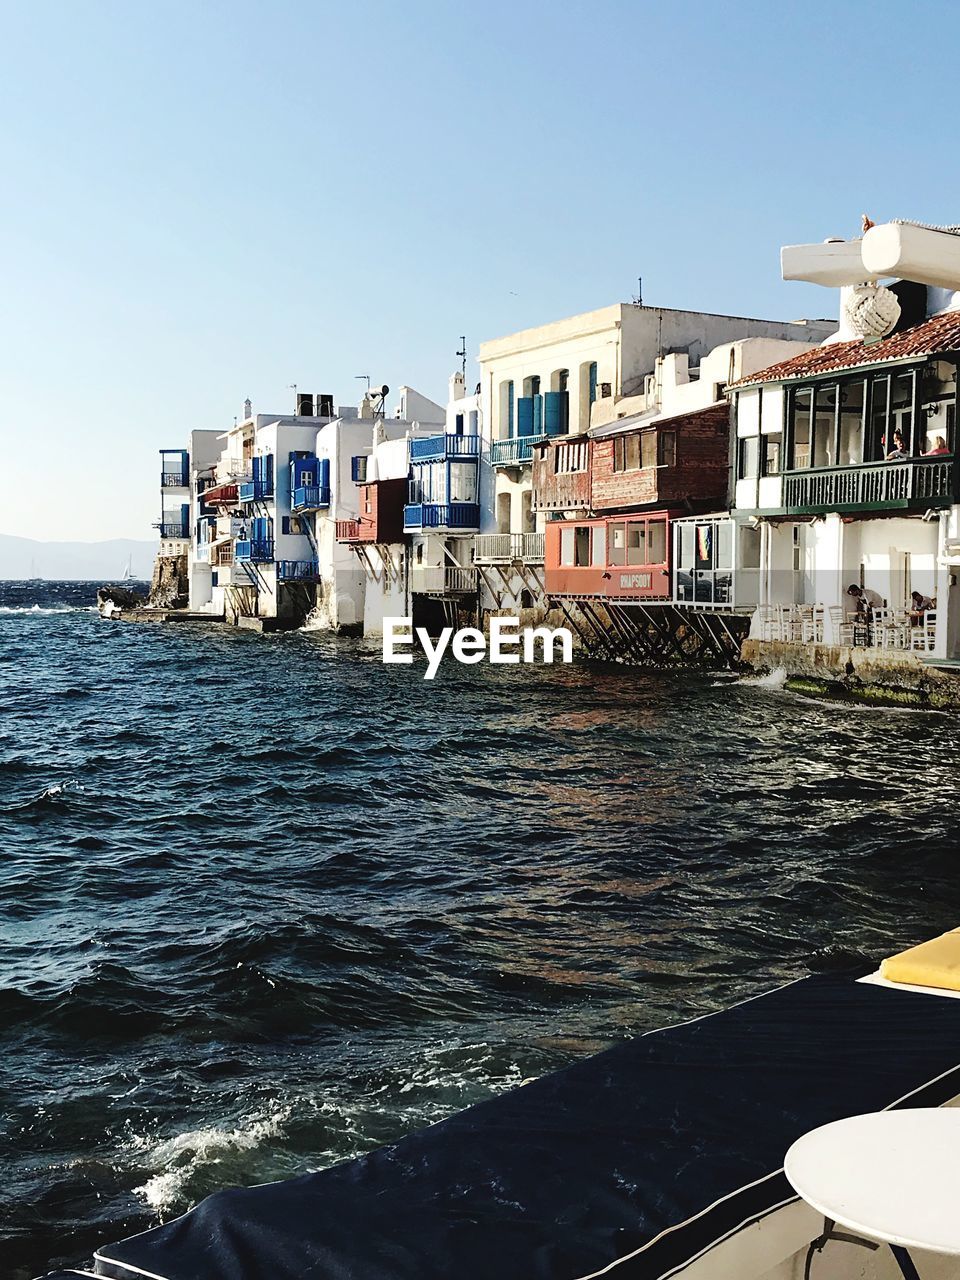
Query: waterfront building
[
  {"x": 562, "y": 382},
  {"x": 362, "y": 564},
  {"x": 268, "y": 548},
  {"x": 263, "y": 498},
  {"x": 845, "y": 455},
  {"x": 182, "y": 478},
  {"x": 442, "y": 513},
  {"x": 615, "y": 497}
]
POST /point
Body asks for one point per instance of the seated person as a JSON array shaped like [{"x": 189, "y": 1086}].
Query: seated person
[
  {"x": 939, "y": 446},
  {"x": 919, "y": 605},
  {"x": 899, "y": 449},
  {"x": 865, "y": 597}
]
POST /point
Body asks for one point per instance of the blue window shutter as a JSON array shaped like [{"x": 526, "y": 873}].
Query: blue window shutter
[
  {"x": 185, "y": 519},
  {"x": 285, "y": 524},
  {"x": 269, "y": 474},
  {"x": 525, "y": 416},
  {"x": 554, "y": 413},
  {"x": 593, "y": 382},
  {"x": 323, "y": 473},
  {"x": 256, "y": 468},
  {"x": 510, "y": 423},
  {"x": 259, "y": 529},
  {"x": 537, "y": 414}
]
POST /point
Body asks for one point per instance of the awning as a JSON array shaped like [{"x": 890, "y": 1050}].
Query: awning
[
  {"x": 220, "y": 493},
  {"x": 630, "y": 1163}
]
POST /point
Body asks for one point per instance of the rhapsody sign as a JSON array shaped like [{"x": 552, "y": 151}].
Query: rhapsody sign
[{"x": 468, "y": 645}]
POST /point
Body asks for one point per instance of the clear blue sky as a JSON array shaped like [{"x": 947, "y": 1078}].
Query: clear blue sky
[{"x": 208, "y": 200}]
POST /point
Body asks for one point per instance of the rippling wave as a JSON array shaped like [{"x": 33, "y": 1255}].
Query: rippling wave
[{"x": 266, "y": 903}]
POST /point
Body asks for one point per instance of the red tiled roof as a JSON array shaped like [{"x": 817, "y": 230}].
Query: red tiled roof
[{"x": 933, "y": 337}]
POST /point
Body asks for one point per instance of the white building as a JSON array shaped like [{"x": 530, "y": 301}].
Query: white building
[
  {"x": 845, "y": 455},
  {"x": 267, "y": 547}
]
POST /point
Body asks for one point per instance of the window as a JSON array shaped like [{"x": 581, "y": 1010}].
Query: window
[
  {"x": 598, "y": 550},
  {"x": 575, "y": 545},
  {"x": 582, "y": 545},
  {"x": 616, "y": 543},
  {"x": 570, "y": 457},
  {"x": 358, "y": 469},
  {"x": 770, "y": 449},
  {"x": 801, "y": 402},
  {"x": 567, "y": 545},
  {"x": 824, "y": 426},
  {"x": 648, "y": 449},
  {"x": 667, "y": 449},
  {"x": 459, "y": 424},
  {"x": 626, "y": 453},
  {"x": 637, "y": 543},
  {"x": 852, "y": 404},
  {"x": 463, "y": 482},
  {"x": 749, "y": 457},
  {"x": 657, "y": 542}
]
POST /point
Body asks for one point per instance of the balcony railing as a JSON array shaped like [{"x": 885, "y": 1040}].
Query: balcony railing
[
  {"x": 310, "y": 497},
  {"x": 504, "y": 548},
  {"x": 513, "y": 452},
  {"x": 297, "y": 571},
  {"x": 259, "y": 551},
  {"x": 178, "y": 478},
  {"x": 441, "y": 515},
  {"x": 255, "y": 490},
  {"x": 444, "y": 579},
  {"x": 348, "y": 530},
  {"x": 910, "y": 482},
  {"x": 173, "y": 528},
  {"x": 436, "y": 448},
  {"x": 223, "y": 554}
]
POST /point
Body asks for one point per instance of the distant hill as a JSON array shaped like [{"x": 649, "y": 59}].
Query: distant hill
[{"x": 75, "y": 561}]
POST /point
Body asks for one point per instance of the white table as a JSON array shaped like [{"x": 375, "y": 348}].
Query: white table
[{"x": 893, "y": 1177}]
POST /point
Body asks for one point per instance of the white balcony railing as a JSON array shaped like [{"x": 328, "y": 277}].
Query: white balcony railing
[
  {"x": 443, "y": 579},
  {"x": 504, "y": 548}
]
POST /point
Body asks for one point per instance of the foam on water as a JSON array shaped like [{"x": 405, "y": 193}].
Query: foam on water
[{"x": 177, "y": 1161}]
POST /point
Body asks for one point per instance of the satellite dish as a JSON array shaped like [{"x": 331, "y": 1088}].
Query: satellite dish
[{"x": 382, "y": 391}]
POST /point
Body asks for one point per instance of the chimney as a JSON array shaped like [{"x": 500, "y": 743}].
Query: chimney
[{"x": 457, "y": 387}]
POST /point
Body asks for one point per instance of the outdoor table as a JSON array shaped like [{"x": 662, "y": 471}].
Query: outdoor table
[{"x": 890, "y": 1177}]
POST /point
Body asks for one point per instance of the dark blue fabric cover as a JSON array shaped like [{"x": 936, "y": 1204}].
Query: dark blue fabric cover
[{"x": 586, "y": 1167}]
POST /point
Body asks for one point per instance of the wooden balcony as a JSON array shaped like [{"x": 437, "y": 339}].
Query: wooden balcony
[
  {"x": 442, "y": 580},
  {"x": 911, "y": 483},
  {"x": 505, "y": 548}
]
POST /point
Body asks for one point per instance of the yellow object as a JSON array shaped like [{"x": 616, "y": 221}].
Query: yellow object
[{"x": 932, "y": 964}]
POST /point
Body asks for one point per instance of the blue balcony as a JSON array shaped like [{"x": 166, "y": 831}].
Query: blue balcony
[
  {"x": 174, "y": 469},
  {"x": 254, "y": 551},
  {"x": 297, "y": 571},
  {"x": 255, "y": 490},
  {"x": 514, "y": 452},
  {"x": 441, "y": 515},
  {"x": 310, "y": 497},
  {"x": 438, "y": 448}
]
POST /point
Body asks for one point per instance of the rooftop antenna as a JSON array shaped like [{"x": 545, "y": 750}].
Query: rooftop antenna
[
  {"x": 360, "y": 377},
  {"x": 638, "y": 296},
  {"x": 462, "y": 353}
]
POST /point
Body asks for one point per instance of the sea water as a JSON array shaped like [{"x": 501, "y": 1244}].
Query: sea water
[{"x": 266, "y": 903}]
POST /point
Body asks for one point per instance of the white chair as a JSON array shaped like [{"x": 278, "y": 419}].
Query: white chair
[
  {"x": 924, "y": 635},
  {"x": 843, "y": 625}
]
